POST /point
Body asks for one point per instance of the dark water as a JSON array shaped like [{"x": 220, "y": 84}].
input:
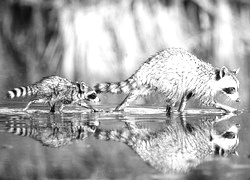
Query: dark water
[{"x": 40, "y": 145}]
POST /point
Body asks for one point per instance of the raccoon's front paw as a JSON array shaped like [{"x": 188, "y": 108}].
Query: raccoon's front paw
[
  {"x": 169, "y": 110},
  {"x": 97, "y": 110},
  {"x": 237, "y": 111},
  {"x": 117, "y": 111},
  {"x": 92, "y": 110},
  {"x": 227, "y": 109}
]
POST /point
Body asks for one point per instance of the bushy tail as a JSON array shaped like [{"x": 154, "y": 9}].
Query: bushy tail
[
  {"x": 116, "y": 87},
  {"x": 124, "y": 136},
  {"x": 20, "y": 92}
]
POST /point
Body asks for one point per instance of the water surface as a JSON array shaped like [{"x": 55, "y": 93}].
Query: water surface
[{"x": 41, "y": 145}]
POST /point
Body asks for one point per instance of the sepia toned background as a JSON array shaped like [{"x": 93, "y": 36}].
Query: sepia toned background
[{"x": 108, "y": 40}]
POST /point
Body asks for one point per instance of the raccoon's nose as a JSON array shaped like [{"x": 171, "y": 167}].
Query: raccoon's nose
[{"x": 237, "y": 100}]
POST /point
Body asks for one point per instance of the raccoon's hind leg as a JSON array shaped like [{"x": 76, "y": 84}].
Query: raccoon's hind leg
[
  {"x": 28, "y": 105},
  {"x": 129, "y": 99},
  {"x": 34, "y": 102},
  {"x": 184, "y": 100},
  {"x": 183, "y": 104},
  {"x": 168, "y": 109}
]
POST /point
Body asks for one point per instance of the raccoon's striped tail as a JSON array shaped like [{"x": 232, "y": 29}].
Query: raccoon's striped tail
[
  {"x": 124, "y": 136},
  {"x": 116, "y": 87},
  {"x": 20, "y": 92}
]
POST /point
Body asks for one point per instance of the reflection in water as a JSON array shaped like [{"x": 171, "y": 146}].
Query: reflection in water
[
  {"x": 52, "y": 133},
  {"x": 178, "y": 146},
  {"x": 175, "y": 146}
]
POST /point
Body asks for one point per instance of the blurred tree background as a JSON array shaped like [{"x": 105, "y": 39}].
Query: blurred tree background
[{"x": 107, "y": 40}]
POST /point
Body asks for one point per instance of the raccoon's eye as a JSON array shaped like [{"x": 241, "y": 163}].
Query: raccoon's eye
[
  {"x": 229, "y": 90},
  {"x": 92, "y": 96},
  {"x": 229, "y": 135}
]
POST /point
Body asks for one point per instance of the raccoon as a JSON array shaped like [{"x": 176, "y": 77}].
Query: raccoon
[
  {"x": 179, "y": 75},
  {"x": 55, "y": 89},
  {"x": 176, "y": 147}
]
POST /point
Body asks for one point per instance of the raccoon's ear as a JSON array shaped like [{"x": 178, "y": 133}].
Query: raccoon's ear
[
  {"x": 84, "y": 87},
  {"x": 83, "y": 84},
  {"x": 223, "y": 71},
  {"x": 79, "y": 86}
]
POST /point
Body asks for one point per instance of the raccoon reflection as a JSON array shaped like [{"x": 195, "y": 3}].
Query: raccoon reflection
[
  {"x": 176, "y": 146},
  {"x": 50, "y": 133}
]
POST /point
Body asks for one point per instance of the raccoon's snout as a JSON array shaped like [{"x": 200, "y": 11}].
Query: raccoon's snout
[
  {"x": 96, "y": 100},
  {"x": 237, "y": 100}
]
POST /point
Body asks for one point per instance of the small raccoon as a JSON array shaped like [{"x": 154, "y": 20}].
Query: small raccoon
[
  {"x": 55, "y": 89},
  {"x": 179, "y": 75}
]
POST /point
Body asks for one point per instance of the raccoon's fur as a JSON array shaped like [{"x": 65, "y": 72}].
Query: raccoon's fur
[
  {"x": 179, "y": 75},
  {"x": 55, "y": 89}
]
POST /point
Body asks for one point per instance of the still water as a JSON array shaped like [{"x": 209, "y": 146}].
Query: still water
[{"x": 140, "y": 143}]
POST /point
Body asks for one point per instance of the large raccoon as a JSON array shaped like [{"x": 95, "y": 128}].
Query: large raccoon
[
  {"x": 179, "y": 75},
  {"x": 55, "y": 89}
]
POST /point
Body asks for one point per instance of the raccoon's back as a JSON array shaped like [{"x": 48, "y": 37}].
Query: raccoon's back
[
  {"x": 55, "y": 82},
  {"x": 52, "y": 85},
  {"x": 174, "y": 72},
  {"x": 172, "y": 63}
]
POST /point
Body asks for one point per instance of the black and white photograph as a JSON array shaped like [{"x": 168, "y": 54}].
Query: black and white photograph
[{"x": 124, "y": 89}]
